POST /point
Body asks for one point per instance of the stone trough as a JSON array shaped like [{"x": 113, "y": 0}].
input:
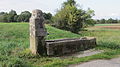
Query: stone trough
[
  {"x": 38, "y": 45},
  {"x": 67, "y": 46}
]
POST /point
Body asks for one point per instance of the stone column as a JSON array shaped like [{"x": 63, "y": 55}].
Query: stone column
[{"x": 37, "y": 33}]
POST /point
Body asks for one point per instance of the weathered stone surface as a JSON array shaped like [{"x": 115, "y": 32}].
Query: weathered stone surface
[
  {"x": 65, "y": 46},
  {"x": 37, "y": 33}
]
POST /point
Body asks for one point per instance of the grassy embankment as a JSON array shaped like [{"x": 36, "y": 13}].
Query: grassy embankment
[{"x": 14, "y": 46}]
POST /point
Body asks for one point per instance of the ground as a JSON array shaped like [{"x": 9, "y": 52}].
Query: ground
[
  {"x": 100, "y": 63},
  {"x": 108, "y": 26},
  {"x": 14, "y": 45}
]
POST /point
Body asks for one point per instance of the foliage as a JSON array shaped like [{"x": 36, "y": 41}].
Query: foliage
[
  {"x": 69, "y": 2},
  {"x": 106, "y": 21},
  {"x": 24, "y": 16},
  {"x": 47, "y": 16},
  {"x": 11, "y": 16},
  {"x": 3, "y": 17},
  {"x": 70, "y": 18}
]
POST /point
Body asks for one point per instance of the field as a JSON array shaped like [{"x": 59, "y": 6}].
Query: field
[
  {"x": 108, "y": 26},
  {"x": 14, "y": 45}
]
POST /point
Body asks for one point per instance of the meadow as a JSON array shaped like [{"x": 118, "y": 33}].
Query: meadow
[{"x": 14, "y": 46}]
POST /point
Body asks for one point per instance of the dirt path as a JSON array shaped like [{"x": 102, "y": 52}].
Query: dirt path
[
  {"x": 100, "y": 63},
  {"x": 83, "y": 53}
]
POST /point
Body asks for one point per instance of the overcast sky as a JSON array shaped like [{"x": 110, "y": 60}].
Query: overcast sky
[{"x": 102, "y": 8}]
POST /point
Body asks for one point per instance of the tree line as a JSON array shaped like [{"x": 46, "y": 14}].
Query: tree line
[
  {"x": 70, "y": 17},
  {"x": 107, "y": 21},
  {"x": 24, "y": 16}
]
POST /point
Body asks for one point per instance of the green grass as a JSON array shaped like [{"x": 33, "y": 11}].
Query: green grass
[
  {"x": 14, "y": 46},
  {"x": 16, "y": 36}
]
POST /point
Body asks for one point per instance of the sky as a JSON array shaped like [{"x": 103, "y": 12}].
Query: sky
[{"x": 103, "y": 8}]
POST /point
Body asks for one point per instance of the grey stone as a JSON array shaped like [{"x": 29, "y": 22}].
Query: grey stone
[
  {"x": 37, "y": 33},
  {"x": 66, "y": 46}
]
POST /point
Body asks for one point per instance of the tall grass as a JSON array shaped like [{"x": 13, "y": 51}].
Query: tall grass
[
  {"x": 15, "y": 36},
  {"x": 106, "y": 38}
]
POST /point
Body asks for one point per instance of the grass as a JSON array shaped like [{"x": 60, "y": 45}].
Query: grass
[
  {"x": 14, "y": 44},
  {"x": 16, "y": 36}
]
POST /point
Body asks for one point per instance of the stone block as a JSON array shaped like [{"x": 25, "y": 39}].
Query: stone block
[{"x": 66, "y": 46}]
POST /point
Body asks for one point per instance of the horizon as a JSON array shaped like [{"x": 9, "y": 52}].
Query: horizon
[{"x": 103, "y": 9}]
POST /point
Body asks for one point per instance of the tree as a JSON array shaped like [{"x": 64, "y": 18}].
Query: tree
[
  {"x": 24, "y": 16},
  {"x": 15, "y": 18},
  {"x": 112, "y": 20},
  {"x": 87, "y": 18},
  {"x": 69, "y": 2},
  {"x": 47, "y": 16},
  {"x": 70, "y": 18},
  {"x": 3, "y": 17},
  {"x": 11, "y": 15},
  {"x": 102, "y": 21},
  {"x": 118, "y": 21},
  {"x": 1, "y": 13}
]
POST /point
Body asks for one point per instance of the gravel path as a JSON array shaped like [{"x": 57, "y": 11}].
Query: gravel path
[{"x": 100, "y": 63}]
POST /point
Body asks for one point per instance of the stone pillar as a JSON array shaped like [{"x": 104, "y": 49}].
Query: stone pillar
[{"x": 37, "y": 33}]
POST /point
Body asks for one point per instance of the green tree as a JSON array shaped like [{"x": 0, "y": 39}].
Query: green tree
[
  {"x": 69, "y": 17},
  {"x": 11, "y": 15},
  {"x": 15, "y": 18},
  {"x": 3, "y": 17},
  {"x": 69, "y": 2},
  {"x": 1, "y": 13},
  {"x": 47, "y": 16},
  {"x": 24, "y": 16},
  {"x": 87, "y": 18},
  {"x": 102, "y": 21},
  {"x": 112, "y": 20},
  {"x": 118, "y": 21}
]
